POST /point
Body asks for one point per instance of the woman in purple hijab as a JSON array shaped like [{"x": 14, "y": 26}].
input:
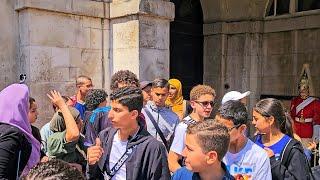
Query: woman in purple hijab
[{"x": 19, "y": 150}]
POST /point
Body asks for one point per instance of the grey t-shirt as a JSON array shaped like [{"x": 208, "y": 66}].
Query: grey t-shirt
[{"x": 179, "y": 143}]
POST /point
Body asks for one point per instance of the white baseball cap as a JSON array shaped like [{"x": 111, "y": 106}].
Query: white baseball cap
[{"x": 234, "y": 95}]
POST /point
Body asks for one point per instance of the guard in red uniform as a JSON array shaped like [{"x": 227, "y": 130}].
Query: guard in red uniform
[{"x": 305, "y": 111}]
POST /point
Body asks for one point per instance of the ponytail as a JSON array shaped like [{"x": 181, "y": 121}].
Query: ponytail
[{"x": 286, "y": 125}]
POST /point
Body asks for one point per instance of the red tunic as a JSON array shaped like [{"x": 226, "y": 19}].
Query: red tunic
[{"x": 312, "y": 110}]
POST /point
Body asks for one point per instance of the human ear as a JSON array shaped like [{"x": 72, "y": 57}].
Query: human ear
[
  {"x": 192, "y": 104},
  {"x": 134, "y": 114},
  {"x": 243, "y": 129},
  {"x": 271, "y": 120},
  {"x": 211, "y": 157}
]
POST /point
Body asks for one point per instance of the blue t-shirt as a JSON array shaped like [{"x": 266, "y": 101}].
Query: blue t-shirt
[
  {"x": 277, "y": 147},
  {"x": 185, "y": 174},
  {"x": 81, "y": 108}
]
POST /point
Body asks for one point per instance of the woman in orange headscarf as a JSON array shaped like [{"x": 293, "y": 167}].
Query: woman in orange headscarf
[{"x": 175, "y": 98}]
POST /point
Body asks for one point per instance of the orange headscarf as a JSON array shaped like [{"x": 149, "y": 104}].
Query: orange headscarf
[{"x": 176, "y": 103}]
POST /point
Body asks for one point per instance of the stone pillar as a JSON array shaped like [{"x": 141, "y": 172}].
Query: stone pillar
[
  {"x": 60, "y": 40},
  {"x": 233, "y": 56},
  {"x": 140, "y": 37},
  {"x": 8, "y": 44}
]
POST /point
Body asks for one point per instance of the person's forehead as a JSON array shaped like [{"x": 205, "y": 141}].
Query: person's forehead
[
  {"x": 206, "y": 97},
  {"x": 160, "y": 89},
  {"x": 87, "y": 81},
  {"x": 33, "y": 105},
  {"x": 256, "y": 114},
  {"x": 172, "y": 86},
  {"x": 224, "y": 121},
  {"x": 147, "y": 88},
  {"x": 117, "y": 104},
  {"x": 190, "y": 138},
  {"x": 125, "y": 84}
]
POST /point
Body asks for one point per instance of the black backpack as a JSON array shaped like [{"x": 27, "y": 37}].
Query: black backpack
[{"x": 292, "y": 144}]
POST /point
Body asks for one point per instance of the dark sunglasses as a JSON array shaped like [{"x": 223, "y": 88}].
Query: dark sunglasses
[{"x": 206, "y": 103}]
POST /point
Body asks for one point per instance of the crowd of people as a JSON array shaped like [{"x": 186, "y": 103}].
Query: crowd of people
[{"x": 147, "y": 130}]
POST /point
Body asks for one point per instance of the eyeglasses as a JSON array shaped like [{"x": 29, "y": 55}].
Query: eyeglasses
[
  {"x": 206, "y": 103},
  {"x": 234, "y": 127}
]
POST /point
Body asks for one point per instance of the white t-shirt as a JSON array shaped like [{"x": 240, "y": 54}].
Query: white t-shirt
[
  {"x": 252, "y": 162},
  {"x": 179, "y": 139},
  {"x": 117, "y": 150}
]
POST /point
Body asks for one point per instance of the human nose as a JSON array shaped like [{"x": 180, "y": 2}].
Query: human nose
[
  {"x": 110, "y": 115},
  {"x": 184, "y": 152},
  {"x": 209, "y": 106}
]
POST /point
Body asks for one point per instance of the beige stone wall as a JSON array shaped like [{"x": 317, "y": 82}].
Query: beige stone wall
[
  {"x": 59, "y": 41},
  {"x": 230, "y": 10},
  {"x": 265, "y": 57},
  {"x": 140, "y": 37},
  {"x": 53, "y": 42},
  {"x": 9, "y": 66}
]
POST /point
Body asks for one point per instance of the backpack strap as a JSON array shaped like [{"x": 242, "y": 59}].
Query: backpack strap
[
  {"x": 188, "y": 121},
  {"x": 286, "y": 153},
  {"x": 155, "y": 124}
]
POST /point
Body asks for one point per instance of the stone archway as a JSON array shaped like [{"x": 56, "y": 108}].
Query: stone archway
[{"x": 186, "y": 44}]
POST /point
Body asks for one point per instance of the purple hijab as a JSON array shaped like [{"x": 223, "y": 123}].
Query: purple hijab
[{"x": 14, "y": 108}]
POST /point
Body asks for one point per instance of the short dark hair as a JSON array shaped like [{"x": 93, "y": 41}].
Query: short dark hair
[
  {"x": 124, "y": 76},
  {"x": 211, "y": 136},
  {"x": 31, "y": 101},
  {"x": 54, "y": 169},
  {"x": 94, "y": 97},
  {"x": 80, "y": 80},
  {"x": 234, "y": 111},
  {"x": 162, "y": 83},
  {"x": 130, "y": 97}
]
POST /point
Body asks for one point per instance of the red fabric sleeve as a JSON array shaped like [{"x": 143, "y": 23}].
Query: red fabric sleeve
[{"x": 316, "y": 117}]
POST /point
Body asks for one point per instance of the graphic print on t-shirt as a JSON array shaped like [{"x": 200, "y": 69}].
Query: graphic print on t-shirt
[
  {"x": 249, "y": 163},
  {"x": 244, "y": 170}
]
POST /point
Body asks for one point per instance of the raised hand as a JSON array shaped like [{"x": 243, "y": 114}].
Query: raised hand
[
  {"x": 56, "y": 98},
  {"x": 94, "y": 153}
]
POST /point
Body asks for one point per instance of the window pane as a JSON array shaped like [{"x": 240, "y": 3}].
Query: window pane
[
  {"x": 305, "y": 5},
  {"x": 271, "y": 10},
  {"x": 283, "y": 6}
]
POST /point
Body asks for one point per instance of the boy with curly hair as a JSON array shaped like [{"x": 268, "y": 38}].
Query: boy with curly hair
[
  {"x": 123, "y": 78},
  {"x": 96, "y": 116},
  {"x": 202, "y": 102}
]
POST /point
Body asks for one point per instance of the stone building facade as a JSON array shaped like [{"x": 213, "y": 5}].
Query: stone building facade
[{"x": 256, "y": 45}]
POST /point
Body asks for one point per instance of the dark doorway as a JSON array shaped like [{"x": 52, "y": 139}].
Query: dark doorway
[{"x": 186, "y": 44}]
